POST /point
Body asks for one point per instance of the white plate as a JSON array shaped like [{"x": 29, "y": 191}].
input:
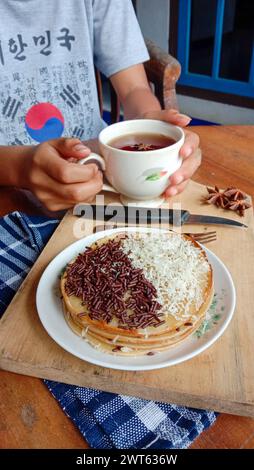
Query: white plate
[{"x": 50, "y": 312}]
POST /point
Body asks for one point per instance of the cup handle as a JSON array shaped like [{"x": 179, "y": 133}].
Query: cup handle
[{"x": 95, "y": 157}]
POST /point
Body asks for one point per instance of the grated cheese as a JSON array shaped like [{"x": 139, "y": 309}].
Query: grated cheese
[
  {"x": 115, "y": 339},
  {"x": 125, "y": 349},
  {"x": 84, "y": 332},
  {"x": 175, "y": 267}
]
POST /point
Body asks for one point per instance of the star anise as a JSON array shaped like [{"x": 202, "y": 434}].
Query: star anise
[
  {"x": 234, "y": 194},
  {"x": 238, "y": 206},
  {"x": 144, "y": 147},
  {"x": 216, "y": 197},
  {"x": 232, "y": 198}
]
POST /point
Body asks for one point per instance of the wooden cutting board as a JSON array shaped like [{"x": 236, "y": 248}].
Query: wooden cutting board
[{"x": 221, "y": 378}]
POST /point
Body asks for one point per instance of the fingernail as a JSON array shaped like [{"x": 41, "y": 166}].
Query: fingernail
[
  {"x": 186, "y": 151},
  {"x": 80, "y": 148},
  {"x": 172, "y": 192},
  {"x": 178, "y": 179},
  {"x": 184, "y": 116}
]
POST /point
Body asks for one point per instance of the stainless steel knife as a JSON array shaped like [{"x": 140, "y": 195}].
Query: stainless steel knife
[{"x": 136, "y": 215}]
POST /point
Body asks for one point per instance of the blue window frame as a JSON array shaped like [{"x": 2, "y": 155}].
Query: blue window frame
[{"x": 213, "y": 79}]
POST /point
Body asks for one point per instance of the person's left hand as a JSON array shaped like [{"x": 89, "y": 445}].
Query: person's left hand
[{"x": 189, "y": 151}]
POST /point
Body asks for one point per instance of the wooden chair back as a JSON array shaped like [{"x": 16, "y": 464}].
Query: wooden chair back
[{"x": 162, "y": 71}]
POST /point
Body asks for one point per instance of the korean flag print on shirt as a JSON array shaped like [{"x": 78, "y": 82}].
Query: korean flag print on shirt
[{"x": 47, "y": 55}]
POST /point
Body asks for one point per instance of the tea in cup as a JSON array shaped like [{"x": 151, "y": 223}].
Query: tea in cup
[{"x": 138, "y": 157}]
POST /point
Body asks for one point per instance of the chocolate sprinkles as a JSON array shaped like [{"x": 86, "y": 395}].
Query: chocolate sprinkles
[{"x": 111, "y": 287}]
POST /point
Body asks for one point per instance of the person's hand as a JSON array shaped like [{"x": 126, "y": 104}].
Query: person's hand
[
  {"x": 189, "y": 151},
  {"x": 53, "y": 175}
]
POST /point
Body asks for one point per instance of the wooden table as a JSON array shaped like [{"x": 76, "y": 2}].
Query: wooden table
[{"x": 29, "y": 416}]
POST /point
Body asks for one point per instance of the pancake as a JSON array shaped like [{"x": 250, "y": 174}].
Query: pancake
[
  {"x": 122, "y": 348},
  {"x": 105, "y": 289}
]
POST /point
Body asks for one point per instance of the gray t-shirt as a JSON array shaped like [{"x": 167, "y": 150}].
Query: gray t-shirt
[{"x": 48, "y": 49}]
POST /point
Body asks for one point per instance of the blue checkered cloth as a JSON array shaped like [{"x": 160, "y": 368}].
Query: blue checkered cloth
[{"x": 106, "y": 420}]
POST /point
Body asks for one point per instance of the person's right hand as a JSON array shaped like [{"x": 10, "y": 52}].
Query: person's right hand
[{"x": 58, "y": 182}]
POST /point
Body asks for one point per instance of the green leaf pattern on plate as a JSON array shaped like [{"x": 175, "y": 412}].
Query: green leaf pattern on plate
[{"x": 213, "y": 315}]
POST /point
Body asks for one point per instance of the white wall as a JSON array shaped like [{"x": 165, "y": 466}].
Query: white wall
[
  {"x": 215, "y": 112},
  {"x": 153, "y": 16}
]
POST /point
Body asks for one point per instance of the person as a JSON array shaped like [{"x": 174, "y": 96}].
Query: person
[{"x": 49, "y": 103}]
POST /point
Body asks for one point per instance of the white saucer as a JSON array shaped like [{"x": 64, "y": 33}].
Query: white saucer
[{"x": 153, "y": 203}]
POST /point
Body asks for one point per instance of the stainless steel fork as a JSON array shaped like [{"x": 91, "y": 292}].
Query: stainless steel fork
[{"x": 203, "y": 237}]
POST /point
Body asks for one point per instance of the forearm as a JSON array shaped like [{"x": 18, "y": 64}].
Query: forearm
[
  {"x": 14, "y": 161},
  {"x": 138, "y": 102},
  {"x": 134, "y": 92}
]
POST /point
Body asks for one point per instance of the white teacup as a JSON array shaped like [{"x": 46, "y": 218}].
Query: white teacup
[{"x": 138, "y": 176}]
